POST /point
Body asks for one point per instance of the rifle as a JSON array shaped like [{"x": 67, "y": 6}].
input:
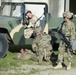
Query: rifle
[{"x": 62, "y": 36}]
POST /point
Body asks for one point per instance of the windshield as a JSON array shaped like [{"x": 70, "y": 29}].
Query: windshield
[
  {"x": 5, "y": 10},
  {"x": 16, "y": 12},
  {"x": 10, "y": 9},
  {"x": 15, "y": 9}
]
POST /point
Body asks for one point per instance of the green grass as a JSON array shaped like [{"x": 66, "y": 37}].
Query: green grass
[
  {"x": 8, "y": 61},
  {"x": 74, "y": 61}
]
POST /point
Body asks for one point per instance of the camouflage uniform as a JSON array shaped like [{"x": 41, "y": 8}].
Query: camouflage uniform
[
  {"x": 32, "y": 22},
  {"x": 24, "y": 55},
  {"x": 42, "y": 46},
  {"x": 68, "y": 29},
  {"x": 30, "y": 28}
]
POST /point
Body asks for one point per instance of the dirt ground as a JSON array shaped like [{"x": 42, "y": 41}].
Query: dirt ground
[{"x": 37, "y": 70}]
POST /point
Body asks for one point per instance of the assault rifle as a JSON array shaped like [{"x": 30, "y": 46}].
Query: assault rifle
[{"x": 62, "y": 36}]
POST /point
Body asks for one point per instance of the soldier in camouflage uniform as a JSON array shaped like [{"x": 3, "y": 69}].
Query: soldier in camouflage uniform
[
  {"x": 68, "y": 29},
  {"x": 24, "y": 54},
  {"x": 42, "y": 46},
  {"x": 31, "y": 24}
]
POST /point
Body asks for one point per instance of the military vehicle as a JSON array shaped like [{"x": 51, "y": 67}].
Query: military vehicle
[
  {"x": 12, "y": 21},
  {"x": 12, "y": 25}
]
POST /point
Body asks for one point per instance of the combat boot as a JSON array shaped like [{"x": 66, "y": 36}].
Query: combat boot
[
  {"x": 69, "y": 66},
  {"x": 58, "y": 66}
]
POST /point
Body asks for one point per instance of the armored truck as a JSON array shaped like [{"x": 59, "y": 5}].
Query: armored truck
[{"x": 12, "y": 21}]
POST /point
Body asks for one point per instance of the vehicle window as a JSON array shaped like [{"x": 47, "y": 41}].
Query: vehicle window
[
  {"x": 5, "y": 9},
  {"x": 16, "y": 12},
  {"x": 37, "y": 10}
]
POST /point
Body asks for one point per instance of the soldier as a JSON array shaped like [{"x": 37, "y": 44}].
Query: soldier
[
  {"x": 32, "y": 22},
  {"x": 24, "y": 54},
  {"x": 68, "y": 29},
  {"x": 42, "y": 46}
]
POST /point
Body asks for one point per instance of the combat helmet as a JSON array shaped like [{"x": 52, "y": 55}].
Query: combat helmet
[{"x": 67, "y": 14}]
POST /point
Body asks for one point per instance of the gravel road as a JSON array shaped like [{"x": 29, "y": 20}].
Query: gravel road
[{"x": 37, "y": 70}]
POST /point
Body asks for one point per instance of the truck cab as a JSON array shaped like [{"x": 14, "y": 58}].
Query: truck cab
[{"x": 12, "y": 21}]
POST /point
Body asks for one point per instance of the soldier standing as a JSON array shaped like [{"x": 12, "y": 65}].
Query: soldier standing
[
  {"x": 42, "y": 46},
  {"x": 68, "y": 29}
]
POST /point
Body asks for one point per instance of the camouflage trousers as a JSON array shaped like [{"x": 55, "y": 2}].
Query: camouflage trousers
[
  {"x": 64, "y": 54},
  {"x": 28, "y": 54},
  {"x": 40, "y": 55},
  {"x": 43, "y": 51},
  {"x": 24, "y": 55}
]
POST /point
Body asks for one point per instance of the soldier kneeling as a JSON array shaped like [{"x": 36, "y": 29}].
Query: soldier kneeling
[{"x": 42, "y": 46}]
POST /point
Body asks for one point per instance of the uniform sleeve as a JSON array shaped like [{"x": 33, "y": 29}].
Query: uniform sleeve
[
  {"x": 34, "y": 21},
  {"x": 73, "y": 31},
  {"x": 37, "y": 22}
]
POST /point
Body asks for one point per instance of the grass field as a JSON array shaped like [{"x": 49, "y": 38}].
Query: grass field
[{"x": 8, "y": 62}]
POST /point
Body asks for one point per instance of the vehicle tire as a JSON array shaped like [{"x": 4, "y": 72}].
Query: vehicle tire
[{"x": 3, "y": 45}]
